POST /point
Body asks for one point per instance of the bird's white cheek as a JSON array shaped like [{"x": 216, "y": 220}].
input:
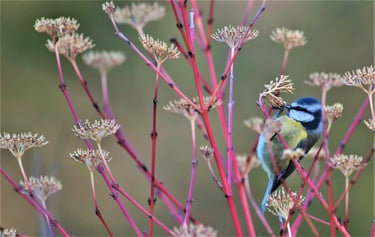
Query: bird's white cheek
[{"x": 301, "y": 116}]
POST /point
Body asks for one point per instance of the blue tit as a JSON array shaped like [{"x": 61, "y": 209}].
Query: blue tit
[{"x": 301, "y": 127}]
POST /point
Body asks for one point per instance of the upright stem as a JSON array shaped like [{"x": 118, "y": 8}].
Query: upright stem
[
  {"x": 106, "y": 165},
  {"x": 107, "y": 106},
  {"x": 26, "y": 180},
  {"x": 230, "y": 116},
  {"x": 285, "y": 60},
  {"x": 153, "y": 154},
  {"x": 346, "y": 222},
  {"x": 47, "y": 219},
  {"x": 97, "y": 210},
  {"x": 193, "y": 174}
]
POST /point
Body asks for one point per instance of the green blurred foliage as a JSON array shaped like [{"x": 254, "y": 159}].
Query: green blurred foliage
[{"x": 340, "y": 38}]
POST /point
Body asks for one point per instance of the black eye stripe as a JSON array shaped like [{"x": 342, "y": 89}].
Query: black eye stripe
[{"x": 299, "y": 108}]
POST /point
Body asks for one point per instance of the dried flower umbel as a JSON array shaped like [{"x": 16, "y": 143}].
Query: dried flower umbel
[
  {"x": 346, "y": 163},
  {"x": 193, "y": 230},
  {"x": 97, "y": 130},
  {"x": 246, "y": 164},
  {"x": 56, "y": 27},
  {"x": 103, "y": 61},
  {"x": 70, "y": 45},
  {"x": 181, "y": 106},
  {"x": 91, "y": 158},
  {"x": 8, "y": 232},
  {"x": 232, "y": 36},
  {"x": 333, "y": 112},
  {"x": 271, "y": 94},
  {"x": 207, "y": 152},
  {"x": 280, "y": 203},
  {"x": 109, "y": 8},
  {"x": 43, "y": 187},
  {"x": 365, "y": 80},
  {"x": 325, "y": 80},
  {"x": 289, "y": 38},
  {"x": 137, "y": 15},
  {"x": 159, "y": 49},
  {"x": 17, "y": 144}
]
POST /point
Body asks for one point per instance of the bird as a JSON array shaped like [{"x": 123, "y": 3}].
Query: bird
[{"x": 300, "y": 128}]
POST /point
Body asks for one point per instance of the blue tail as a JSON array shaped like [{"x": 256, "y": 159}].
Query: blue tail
[{"x": 271, "y": 180}]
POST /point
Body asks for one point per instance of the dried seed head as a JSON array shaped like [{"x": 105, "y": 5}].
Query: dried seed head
[
  {"x": 370, "y": 123},
  {"x": 97, "y": 130},
  {"x": 159, "y": 48},
  {"x": 109, "y": 8},
  {"x": 271, "y": 94},
  {"x": 92, "y": 159},
  {"x": 195, "y": 230},
  {"x": 325, "y": 80},
  {"x": 8, "y": 232},
  {"x": 271, "y": 126},
  {"x": 103, "y": 61},
  {"x": 17, "y": 144},
  {"x": 334, "y": 111},
  {"x": 43, "y": 186},
  {"x": 56, "y": 27},
  {"x": 256, "y": 124},
  {"x": 292, "y": 154},
  {"x": 70, "y": 45},
  {"x": 289, "y": 38},
  {"x": 280, "y": 203},
  {"x": 313, "y": 151},
  {"x": 232, "y": 36},
  {"x": 246, "y": 164},
  {"x": 181, "y": 106},
  {"x": 207, "y": 152},
  {"x": 361, "y": 78},
  {"x": 346, "y": 163},
  {"x": 139, "y": 14}
]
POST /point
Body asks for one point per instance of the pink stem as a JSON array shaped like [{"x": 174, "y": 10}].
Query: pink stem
[
  {"x": 97, "y": 210},
  {"x": 119, "y": 202},
  {"x": 256, "y": 208},
  {"x": 285, "y": 60},
  {"x": 193, "y": 174},
  {"x": 248, "y": 9},
  {"x": 153, "y": 154},
  {"x": 230, "y": 148}
]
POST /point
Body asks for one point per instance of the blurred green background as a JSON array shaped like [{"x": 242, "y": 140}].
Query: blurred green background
[{"x": 340, "y": 38}]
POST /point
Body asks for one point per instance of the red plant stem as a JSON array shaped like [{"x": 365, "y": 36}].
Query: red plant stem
[
  {"x": 311, "y": 225},
  {"x": 33, "y": 202},
  {"x": 189, "y": 200},
  {"x": 143, "y": 210},
  {"x": 230, "y": 122},
  {"x": 255, "y": 206},
  {"x": 301, "y": 189},
  {"x": 153, "y": 154},
  {"x": 249, "y": 158},
  {"x": 115, "y": 196},
  {"x": 153, "y": 67},
  {"x": 373, "y": 228},
  {"x": 206, "y": 86},
  {"x": 204, "y": 114},
  {"x": 352, "y": 127},
  {"x": 97, "y": 210},
  {"x": 248, "y": 9},
  {"x": 85, "y": 87},
  {"x": 172, "y": 209},
  {"x": 63, "y": 86},
  {"x": 179, "y": 25},
  {"x": 331, "y": 209}
]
